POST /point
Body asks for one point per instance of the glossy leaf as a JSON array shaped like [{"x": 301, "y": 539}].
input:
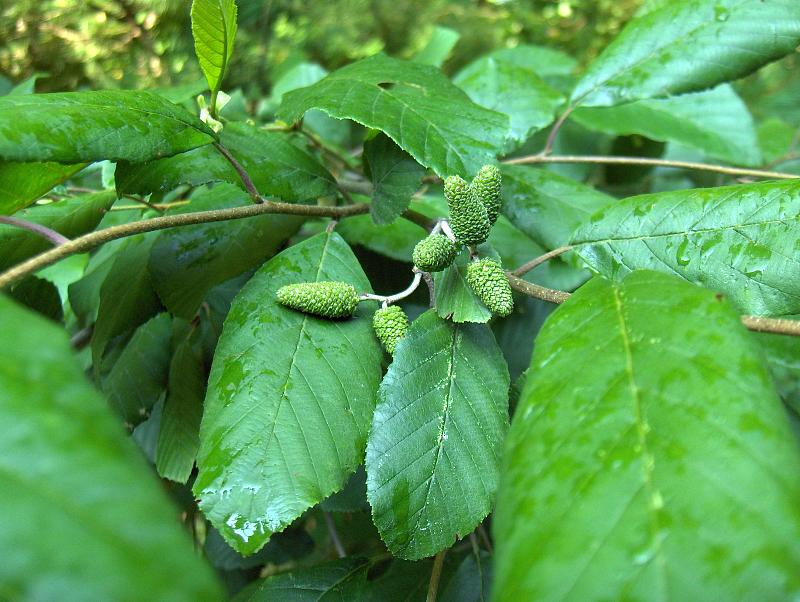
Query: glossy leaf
[
  {"x": 278, "y": 168},
  {"x": 39, "y": 295},
  {"x": 395, "y": 177},
  {"x": 548, "y": 207},
  {"x": 782, "y": 355},
  {"x": 341, "y": 581},
  {"x": 415, "y": 105},
  {"x": 139, "y": 376},
  {"x": 510, "y": 88},
  {"x": 289, "y": 401},
  {"x": 127, "y": 296},
  {"x": 214, "y": 32},
  {"x": 739, "y": 240},
  {"x": 554, "y": 66},
  {"x": 689, "y": 45},
  {"x": 22, "y": 183},
  {"x": 715, "y": 122},
  {"x": 455, "y": 299},
  {"x": 70, "y": 218},
  {"x": 433, "y": 452},
  {"x": 76, "y": 127},
  {"x": 185, "y": 263},
  {"x": 82, "y": 517},
  {"x": 178, "y": 437},
  {"x": 649, "y": 457},
  {"x": 439, "y": 46}
]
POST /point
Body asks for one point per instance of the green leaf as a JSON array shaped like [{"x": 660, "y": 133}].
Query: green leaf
[
  {"x": 395, "y": 177},
  {"x": 82, "y": 517},
  {"x": 433, "y": 452},
  {"x": 78, "y": 127},
  {"x": 455, "y": 299},
  {"x": 139, "y": 376},
  {"x": 186, "y": 262},
  {"x": 289, "y": 401},
  {"x": 649, "y": 457},
  {"x": 548, "y": 207},
  {"x": 395, "y": 240},
  {"x": 178, "y": 437},
  {"x": 214, "y": 32},
  {"x": 415, "y": 105},
  {"x": 70, "y": 217},
  {"x": 438, "y": 47},
  {"x": 290, "y": 545},
  {"x": 738, "y": 240},
  {"x": 782, "y": 355},
  {"x": 40, "y": 295},
  {"x": 127, "y": 296},
  {"x": 341, "y": 580},
  {"x": 23, "y": 183},
  {"x": 277, "y": 167},
  {"x": 554, "y": 66},
  {"x": 472, "y": 581},
  {"x": 513, "y": 89},
  {"x": 715, "y": 122},
  {"x": 689, "y": 45}
]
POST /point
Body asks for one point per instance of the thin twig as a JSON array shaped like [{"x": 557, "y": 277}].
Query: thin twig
[
  {"x": 536, "y": 261},
  {"x": 99, "y": 237},
  {"x": 436, "y": 574},
  {"x": 386, "y": 300},
  {"x": 334, "y": 534},
  {"x": 243, "y": 175},
  {"x": 157, "y": 206},
  {"x": 754, "y": 323},
  {"x": 485, "y": 537},
  {"x": 732, "y": 171},
  {"x": 551, "y": 137},
  {"x": 43, "y": 231}
]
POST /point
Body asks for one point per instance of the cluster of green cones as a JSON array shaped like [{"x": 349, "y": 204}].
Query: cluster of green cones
[{"x": 474, "y": 208}]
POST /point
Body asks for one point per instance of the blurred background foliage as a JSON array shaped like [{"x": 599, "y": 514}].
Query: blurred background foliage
[{"x": 75, "y": 44}]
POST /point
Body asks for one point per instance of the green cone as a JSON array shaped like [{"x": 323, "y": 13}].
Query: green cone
[
  {"x": 325, "y": 299},
  {"x": 487, "y": 187},
  {"x": 391, "y": 325},
  {"x": 487, "y": 279},
  {"x": 434, "y": 253},
  {"x": 468, "y": 217}
]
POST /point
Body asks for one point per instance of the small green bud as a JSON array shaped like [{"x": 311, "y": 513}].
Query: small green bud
[
  {"x": 325, "y": 299},
  {"x": 487, "y": 279},
  {"x": 468, "y": 217},
  {"x": 434, "y": 253},
  {"x": 391, "y": 325},
  {"x": 487, "y": 187}
]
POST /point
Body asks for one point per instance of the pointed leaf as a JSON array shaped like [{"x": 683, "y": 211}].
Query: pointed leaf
[
  {"x": 515, "y": 90},
  {"x": 395, "y": 177},
  {"x": 214, "y": 32},
  {"x": 433, "y": 452},
  {"x": 278, "y": 168},
  {"x": 81, "y": 516},
  {"x": 289, "y": 401},
  {"x": 139, "y": 376},
  {"x": 185, "y": 263},
  {"x": 127, "y": 296},
  {"x": 76, "y": 127},
  {"x": 338, "y": 581},
  {"x": 178, "y": 437},
  {"x": 649, "y": 457},
  {"x": 22, "y": 183},
  {"x": 548, "y": 207},
  {"x": 738, "y": 240},
  {"x": 455, "y": 299},
  {"x": 689, "y": 45},
  {"x": 415, "y": 105},
  {"x": 70, "y": 218},
  {"x": 715, "y": 122},
  {"x": 439, "y": 47}
]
